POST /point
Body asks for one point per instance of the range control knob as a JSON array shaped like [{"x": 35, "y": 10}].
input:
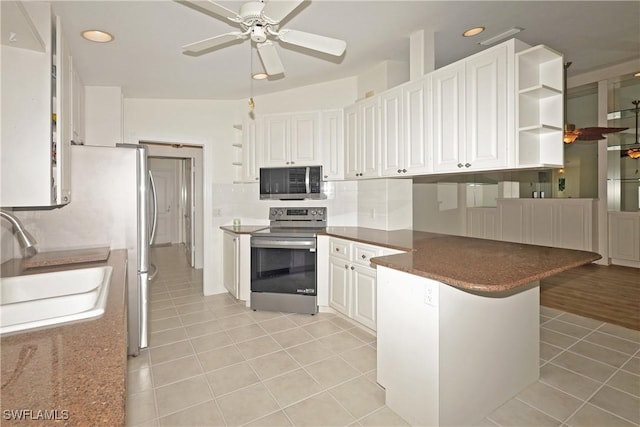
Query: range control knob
[
  {"x": 314, "y": 213},
  {"x": 280, "y": 212}
]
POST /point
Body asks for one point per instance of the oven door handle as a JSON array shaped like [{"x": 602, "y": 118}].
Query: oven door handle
[{"x": 257, "y": 242}]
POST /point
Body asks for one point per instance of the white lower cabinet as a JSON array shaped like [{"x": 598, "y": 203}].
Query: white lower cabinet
[
  {"x": 353, "y": 281},
  {"x": 624, "y": 237},
  {"x": 236, "y": 270},
  {"x": 561, "y": 223}
]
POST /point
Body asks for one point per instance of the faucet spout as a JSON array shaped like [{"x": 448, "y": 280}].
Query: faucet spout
[{"x": 26, "y": 240}]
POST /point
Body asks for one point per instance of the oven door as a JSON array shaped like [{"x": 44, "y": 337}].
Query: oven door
[{"x": 284, "y": 265}]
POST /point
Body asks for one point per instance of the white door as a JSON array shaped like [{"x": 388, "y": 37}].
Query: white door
[
  {"x": 364, "y": 296},
  {"x": 276, "y": 141},
  {"x": 351, "y": 141},
  {"x": 230, "y": 263},
  {"x": 417, "y": 143},
  {"x": 165, "y": 177},
  {"x": 369, "y": 122}
]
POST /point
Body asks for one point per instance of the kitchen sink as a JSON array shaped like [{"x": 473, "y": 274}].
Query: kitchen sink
[{"x": 49, "y": 299}]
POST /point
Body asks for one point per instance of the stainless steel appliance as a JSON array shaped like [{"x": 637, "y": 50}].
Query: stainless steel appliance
[
  {"x": 291, "y": 183},
  {"x": 114, "y": 205},
  {"x": 283, "y": 260}
]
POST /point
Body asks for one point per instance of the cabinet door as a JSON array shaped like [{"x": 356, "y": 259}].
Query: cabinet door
[
  {"x": 276, "y": 141},
  {"x": 61, "y": 170},
  {"x": 364, "y": 296},
  {"x": 368, "y": 141},
  {"x": 332, "y": 150},
  {"x": 77, "y": 105},
  {"x": 486, "y": 115},
  {"x": 304, "y": 139},
  {"x": 447, "y": 112},
  {"x": 624, "y": 236},
  {"x": 417, "y": 143},
  {"x": 391, "y": 143},
  {"x": 339, "y": 285},
  {"x": 351, "y": 137},
  {"x": 230, "y": 260}
]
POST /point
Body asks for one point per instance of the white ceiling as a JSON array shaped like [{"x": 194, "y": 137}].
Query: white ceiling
[{"x": 146, "y": 58}]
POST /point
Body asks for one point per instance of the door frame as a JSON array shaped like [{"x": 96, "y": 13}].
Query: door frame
[{"x": 195, "y": 152}]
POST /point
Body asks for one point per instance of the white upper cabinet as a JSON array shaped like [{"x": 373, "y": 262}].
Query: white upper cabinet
[
  {"x": 36, "y": 106},
  {"x": 250, "y": 167},
  {"x": 332, "y": 146},
  {"x": 291, "y": 139},
  {"x": 416, "y": 146},
  {"x": 472, "y": 111},
  {"x": 391, "y": 144},
  {"x": 361, "y": 123}
]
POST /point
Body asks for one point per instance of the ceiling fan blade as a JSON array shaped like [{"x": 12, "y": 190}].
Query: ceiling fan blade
[
  {"x": 270, "y": 58},
  {"x": 277, "y": 10},
  {"x": 213, "y": 42},
  {"x": 596, "y": 133},
  {"x": 213, "y": 7},
  {"x": 324, "y": 44}
]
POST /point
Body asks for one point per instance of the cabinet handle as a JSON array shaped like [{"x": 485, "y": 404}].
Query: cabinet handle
[
  {"x": 460, "y": 165},
  {"x": 287, "y": 162},
  {"x": 364, "y": 256},
  {"x": 326, "y": 176},
  {"x": 467, "y": 165},
  {"x": 352, "y": 267},
  {"x": 337, "y": 249},
  {"x": 399, "y": 170},
  {"x": 346, "y": 266},
  {"x": 293, "y": 163},
  {"x": 404, "y": 171},
  {"x": 257, "y": 178}
]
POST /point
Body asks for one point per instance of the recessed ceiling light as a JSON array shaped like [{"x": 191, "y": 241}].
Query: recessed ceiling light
[
  {"x": 259, "y": 76},
  {"x": 97, "y": 36},
  {"x": 473, "y": 31},
  {"x": 637, "y": 74}
]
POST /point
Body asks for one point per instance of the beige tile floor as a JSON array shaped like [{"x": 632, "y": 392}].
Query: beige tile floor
[{"x": 214, "y": 362}]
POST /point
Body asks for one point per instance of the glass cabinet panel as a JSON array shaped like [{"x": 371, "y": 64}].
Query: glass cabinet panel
[{"x": 623, "y": 181}]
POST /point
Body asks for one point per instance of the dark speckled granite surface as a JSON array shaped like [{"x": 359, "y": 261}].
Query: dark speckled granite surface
[
  {"x": 474, "y": 264},
  {"x": 76, "y": 372}
]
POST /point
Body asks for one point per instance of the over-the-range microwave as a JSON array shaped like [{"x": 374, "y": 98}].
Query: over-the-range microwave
[{"x": 291, "y": 183}]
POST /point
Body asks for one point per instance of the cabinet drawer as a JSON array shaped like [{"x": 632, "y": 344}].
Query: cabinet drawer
[
  {"x": 339, "y": 248},
  {"x": 362, "y": 254}
]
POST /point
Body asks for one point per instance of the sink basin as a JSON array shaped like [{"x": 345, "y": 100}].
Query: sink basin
[{"x": 48, "y": 299}]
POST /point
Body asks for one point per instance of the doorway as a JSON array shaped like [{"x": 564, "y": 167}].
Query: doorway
[{"x": 177, "y": 172}]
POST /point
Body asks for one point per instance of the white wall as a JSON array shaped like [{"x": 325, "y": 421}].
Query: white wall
[{"x": 103, "y": 115}]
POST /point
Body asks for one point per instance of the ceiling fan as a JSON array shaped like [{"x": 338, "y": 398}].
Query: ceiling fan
[
  {"x": 260, "y": 21},
  {"x": 571, "y": 134}
]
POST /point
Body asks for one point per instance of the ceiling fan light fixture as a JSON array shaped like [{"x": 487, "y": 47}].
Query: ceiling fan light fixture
[
  {"x": 259, "y": 76},
  {"x": 97, "y": 36},
  {"x": 634, "y": 153},
  {"x": 570, "y": 133},
  {"x": 473, "y": 31}
]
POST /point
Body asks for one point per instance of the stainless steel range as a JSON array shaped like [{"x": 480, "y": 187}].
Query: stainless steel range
[{"x": 283, "y": 261}]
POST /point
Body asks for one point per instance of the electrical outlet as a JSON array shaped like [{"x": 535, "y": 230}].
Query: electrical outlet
[{"x": 431, "y": 294}]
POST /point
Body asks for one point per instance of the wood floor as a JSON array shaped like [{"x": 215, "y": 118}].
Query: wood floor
[{"x": 607, "y": 293}]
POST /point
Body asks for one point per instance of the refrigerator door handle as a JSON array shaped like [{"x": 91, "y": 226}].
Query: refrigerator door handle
[
  {"x": 155, "y": 208},
  {"x": 143, "y": 286}
]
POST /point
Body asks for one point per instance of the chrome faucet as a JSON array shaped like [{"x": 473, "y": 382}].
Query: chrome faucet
[{"x": 26, "y": 240}]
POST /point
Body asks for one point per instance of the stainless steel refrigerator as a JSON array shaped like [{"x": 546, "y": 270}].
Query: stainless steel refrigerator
[{"x": 114, "y": 203}]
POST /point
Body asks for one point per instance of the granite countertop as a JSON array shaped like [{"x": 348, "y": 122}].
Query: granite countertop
[
  {"x": 243, "y": 229},
  {"x": 75, "y": 372},
  {"x": 479, "y": 265}
]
